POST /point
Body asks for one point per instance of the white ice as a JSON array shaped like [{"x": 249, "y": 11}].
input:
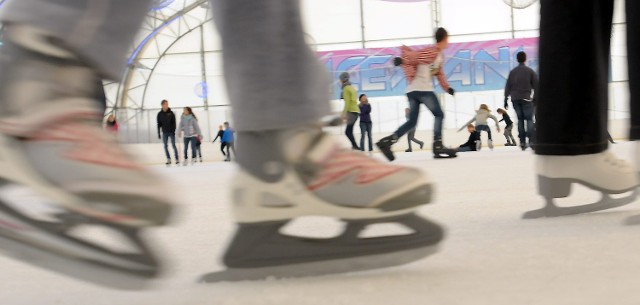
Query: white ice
[{"x": 490, "y": 256}]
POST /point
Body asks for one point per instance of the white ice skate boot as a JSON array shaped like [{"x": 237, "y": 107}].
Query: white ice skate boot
[
  {"x": 51, "y": 142},
  {"x": 490, "y": 144},
  {"x": 319, "y": 179},
  {"x": 601, "y": 172}
]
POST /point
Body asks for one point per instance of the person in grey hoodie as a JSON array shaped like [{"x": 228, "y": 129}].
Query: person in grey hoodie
[
  {"x": 190, "y": 130},
  {"x": 482, "y": 116}
]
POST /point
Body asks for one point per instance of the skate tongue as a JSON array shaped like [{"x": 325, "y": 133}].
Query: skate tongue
[{"x": 306, "y": 146}]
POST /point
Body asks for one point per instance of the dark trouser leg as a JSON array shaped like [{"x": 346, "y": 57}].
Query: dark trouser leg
[
  {"x": 165, "y": 140},
  {"x": 431, "y": 101},
  {"x": 186, "y": 147},
  {"x": 351, "y": 120},
  {"x": 410, "y": 136},
  {"x": 507, "y": 131},
  {"x": 369, "y": 129},
  {"x": 172, "y": 136},
  {"x": 527, "y": 109},
  {"x": 222, "y": 145},
  {"x": 574, "y": 66},
  {"x": 414, "y": 112},
  {"x": 633, "y": 50},
  {"x": 194, "y": 150},
  {"x": 363, "y": 131},
  {"x": 522, "y": 133}
]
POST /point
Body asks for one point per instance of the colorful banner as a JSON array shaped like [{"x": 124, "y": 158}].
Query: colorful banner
[{"x": 469, "y": 66}]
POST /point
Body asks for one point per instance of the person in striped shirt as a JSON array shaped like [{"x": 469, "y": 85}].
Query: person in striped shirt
[{"x": 420, "y": 66}]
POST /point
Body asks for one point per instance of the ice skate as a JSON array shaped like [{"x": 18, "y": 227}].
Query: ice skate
[
  {"x": 177, "y": 161},
  {"x": 602, "y": 172},
  {"x": 200, "y": 159},
  {"x": 51, "y": 142},
  {"x": 385, "y": 146},
  {"x": 168, "y": 163},
  {"x": 324, "y": 180},
  {"x": 490, "y": 144},
  {"x": 440, "y": 151}
]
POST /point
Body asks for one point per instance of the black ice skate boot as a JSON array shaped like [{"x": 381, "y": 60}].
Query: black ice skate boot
[
  {"x": 385, "y": 146},
  {"x": 441, "y": 151}
]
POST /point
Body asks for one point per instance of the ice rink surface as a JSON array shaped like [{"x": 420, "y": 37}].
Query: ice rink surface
[{"x": 490, "y": 255}]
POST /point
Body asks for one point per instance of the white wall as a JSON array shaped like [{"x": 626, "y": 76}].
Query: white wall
[{"x": 153, "y": 154}]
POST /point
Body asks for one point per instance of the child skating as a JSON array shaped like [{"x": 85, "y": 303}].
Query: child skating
[
  {"x": 511, "y": 141},
  {"x": 473, "y": 143},
  {"x": 483, "y": 114}
]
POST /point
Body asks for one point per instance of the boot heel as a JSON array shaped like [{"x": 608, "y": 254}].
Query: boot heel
[{"x": 554, "y": 187}]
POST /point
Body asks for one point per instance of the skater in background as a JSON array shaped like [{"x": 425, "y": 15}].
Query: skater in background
[
  {"x": 112, "y": 124},
  {"x": 610, "y": 138},
  {"x": 167, "y": 124},
  {"x": 219, "y": 135},
  {"x": 483, "y": 114},
  {"x": 282, "y": 157},
  {"x": 228, "y": 141},
  {"x": 411, "y": 134},
  {"x": 351, "y": 111},
  {"x": 420, "y": 66},
  {"x": 522, "y": 83},
  {"x": 511, "y": 141},
  {"x": 473, "y": 143},
  {"x": 574, "y": 88},
  {"x": 199, "y": 146},
  {"x": 190, "y": 131},
  {"x": 365, "y": 122}
]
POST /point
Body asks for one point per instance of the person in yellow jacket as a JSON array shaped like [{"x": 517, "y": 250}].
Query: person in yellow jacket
[{"x": 351, "y": 111}]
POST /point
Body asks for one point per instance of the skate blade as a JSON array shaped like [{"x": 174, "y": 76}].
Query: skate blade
[
  {"x": 70, "y": 266},
  {"x": 346, "y": 265},
  {"x": 445, "y": 156},
  {"x": 607, "y": 202}
]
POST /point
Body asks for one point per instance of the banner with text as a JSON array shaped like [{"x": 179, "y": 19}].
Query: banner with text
[{"x": 469, "y": 66}]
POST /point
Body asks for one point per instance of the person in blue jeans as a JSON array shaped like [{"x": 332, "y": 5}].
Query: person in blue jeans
[
  {"x": 522, "y": 83},
  {"x": 420, "y": 67},
  {"x": 190, "y": 130},
  {"x": 167, "y": 124},
  {"x": 365, "y": 121}
]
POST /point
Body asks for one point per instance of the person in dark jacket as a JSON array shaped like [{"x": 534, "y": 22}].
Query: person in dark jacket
[
  {"x": 472, "y": 142},
  {"x": 167, "y": 124},
  {"x": 511, "y": 141},
  {"x": 220, "y": 135},
  {"x": 520, "y": 84},
  {"x": 365, "y": 122}
]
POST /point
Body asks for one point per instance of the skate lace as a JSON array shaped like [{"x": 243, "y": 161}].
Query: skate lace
[
  {"x": 91, "y": 144},
  {"x": 344, "y": 163}
]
